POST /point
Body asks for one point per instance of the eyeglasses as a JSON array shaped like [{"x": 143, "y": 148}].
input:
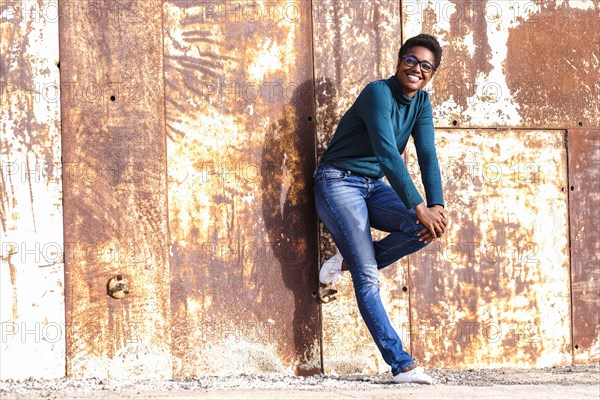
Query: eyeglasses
[{"x": 411, "y": 61}]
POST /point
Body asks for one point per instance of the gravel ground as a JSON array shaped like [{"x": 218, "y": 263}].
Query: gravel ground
[{"x": 581, "y": 381}]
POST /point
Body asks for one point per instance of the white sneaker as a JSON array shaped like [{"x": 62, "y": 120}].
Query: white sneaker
[
  {"x": 331, "y": 270},
  {"x": 415, "y": 375}
]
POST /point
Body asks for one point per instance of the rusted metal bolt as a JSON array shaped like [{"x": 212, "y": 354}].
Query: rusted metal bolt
[{"x": 118, "y": 287}]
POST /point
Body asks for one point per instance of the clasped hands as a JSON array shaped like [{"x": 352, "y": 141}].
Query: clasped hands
[{"x": 435, "y": 220}]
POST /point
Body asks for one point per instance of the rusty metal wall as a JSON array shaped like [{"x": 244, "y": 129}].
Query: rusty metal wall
[
  {"x": 189, "y": 135},
  {"x": 240, "y": 127},
  {"x": 507, "y": 64},
  {"x": 499, "y": 60},
  {"x": 342, "y": 68},
  {"x": 115, "y": 189},
  {"x": 512, "y": 63},
  {"x": 584, "y": 213},
  {"x": 494, "y": 292},
  {"x": 32, "y": 324}
]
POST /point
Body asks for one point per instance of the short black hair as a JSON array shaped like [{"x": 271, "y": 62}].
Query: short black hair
[{"x": 423, "y": 40}]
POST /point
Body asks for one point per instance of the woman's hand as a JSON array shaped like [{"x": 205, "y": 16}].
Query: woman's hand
[{"x": 434, "y": 219}]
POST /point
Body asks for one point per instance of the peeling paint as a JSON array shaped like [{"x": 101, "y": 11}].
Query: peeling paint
[
  {"x": 501, "y": 59},
  {"x": 580, "y": 4},
  {"x": 494, "y": 292},
  {"x": 31, "y": 242},
  {"x": 243, "y": 244}
]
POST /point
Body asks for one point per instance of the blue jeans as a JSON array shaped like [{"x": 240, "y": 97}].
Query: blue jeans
[{"x": 349, "y": 205}]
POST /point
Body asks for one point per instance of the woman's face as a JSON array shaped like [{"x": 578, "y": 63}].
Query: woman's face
[{"x": 413, "y": 78}]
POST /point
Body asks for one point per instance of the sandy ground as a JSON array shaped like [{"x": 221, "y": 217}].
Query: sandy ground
[{"x": 573, "y": 382}]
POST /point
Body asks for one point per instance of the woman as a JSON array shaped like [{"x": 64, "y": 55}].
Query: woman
[{"x": 351, "y": 195}]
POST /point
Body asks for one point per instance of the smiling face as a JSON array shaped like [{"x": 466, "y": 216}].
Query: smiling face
[{"x": 413, "y": 78}]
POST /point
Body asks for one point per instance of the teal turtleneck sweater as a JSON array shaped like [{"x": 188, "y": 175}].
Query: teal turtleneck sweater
[{"x": 372, "y": 136}]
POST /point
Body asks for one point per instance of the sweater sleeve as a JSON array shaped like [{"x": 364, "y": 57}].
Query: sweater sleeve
[
  {"x": 374, "y": 107},
  {"x": 423, "y": 135}
]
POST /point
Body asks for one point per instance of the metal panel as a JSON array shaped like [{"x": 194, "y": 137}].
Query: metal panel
[
  {"x": 494, "y": 292},
  {"x": 32, "y": 324},
  {"x": 502, "y": 59},
  {"x": 240, "y": 118},
  {"x": 356, "y": 41},
  {"x": 584, "y": 213},
  {"x": 114, "y": 160}
]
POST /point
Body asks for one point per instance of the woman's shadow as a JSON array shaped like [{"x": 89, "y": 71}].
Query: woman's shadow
[{"x": 288, "y": 162}]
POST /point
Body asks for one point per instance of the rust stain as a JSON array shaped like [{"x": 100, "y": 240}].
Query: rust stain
[
  {"x": 479, "y": 297},
  {"x": 584, "y": 206},
  {"x": 501, "y": 60},
  {"x": 238, "y": 96},
  {"x": 115, "y": 188},
  {"x": 552, "y": 72},
  {"x": 465, "y": 18}
]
